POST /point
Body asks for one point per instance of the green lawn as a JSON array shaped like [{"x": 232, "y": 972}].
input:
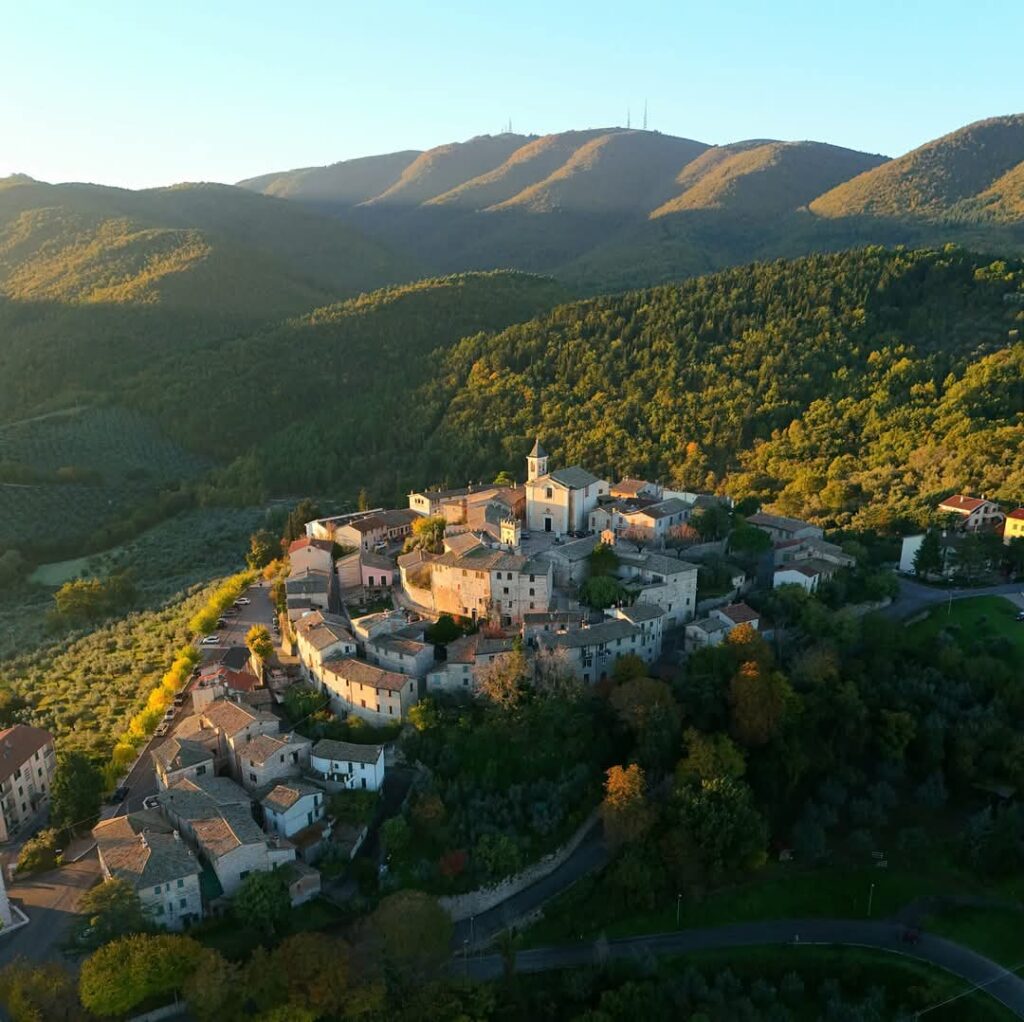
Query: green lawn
[
  {"x": 973, "y": 619},
  {"x": 914, "y": 985},
  {"x": 997, "y": 933},
  {"x": 781, "y": 891}
]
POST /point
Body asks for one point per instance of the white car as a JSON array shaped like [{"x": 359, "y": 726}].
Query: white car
[
  {"x": 151, "y": 802},
  {"x": 210, "y": 640},
  {"x": 243, "y": 601}
]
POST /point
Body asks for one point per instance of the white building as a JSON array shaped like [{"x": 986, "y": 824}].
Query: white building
[
  {"x": 266, "y": 758},
  {"x": 346, "y": 765},
  {"x": 715, "y": 628},
  {"x": 291, "y": 807},
  {"x": 180, "y": 759},
  {"x": 666, "y": 581},
  {"x": 972, "y": 514},
  {"x": 148, "y": 854},
  {"x": 320, "y": 637},
  {"x": 378, "y": 696},
  {"x": 559, "y": 501},
  {"x": 27, "y": 765},
  {"x": 469, "y": 659}
]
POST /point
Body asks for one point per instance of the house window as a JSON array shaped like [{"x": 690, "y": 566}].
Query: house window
[
  {"x": 531, "y": 608},
  {"x": 183, "y": 903},
  {"x": 533, "y": 578},
  {"x": 531, "y": 592},
  {"x": 505, "y": 590},
  {"x": 156, "y": 890},
  {"x": 200, "y": 770},
  {"x": 465, "y": 682},
  {"x": 252, "y": 777},
  {"x": 547, "y": 492},
  {"x": 181, "y": 883}
]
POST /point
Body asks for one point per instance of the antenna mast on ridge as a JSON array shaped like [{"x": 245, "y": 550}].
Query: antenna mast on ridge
[
  {"x": 627, "y": 118},
  {"x": 645, "y": 115}
]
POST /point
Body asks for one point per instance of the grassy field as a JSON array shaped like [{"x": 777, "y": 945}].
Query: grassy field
[
  {"x": 995, "y": 932},
  {"x": 909, "y": 984},
  {"x": 974, "y": 620},
  {"x": 781, "y": 891},
  {"x": 166, "y": 560},
  {"x": 80, "y": 471}
]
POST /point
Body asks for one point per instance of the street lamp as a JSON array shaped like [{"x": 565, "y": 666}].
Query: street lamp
[
  {"x": 871, "y": 898},
  {"x": 679, "y": 902}
]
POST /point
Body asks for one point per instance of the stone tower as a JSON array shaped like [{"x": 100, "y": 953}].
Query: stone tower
[{"x": 536, "y": 462}]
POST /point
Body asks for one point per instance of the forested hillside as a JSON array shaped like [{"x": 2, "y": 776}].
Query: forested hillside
[{"x": 853, "y": 387}]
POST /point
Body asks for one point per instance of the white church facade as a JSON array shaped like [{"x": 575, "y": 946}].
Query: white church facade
[{"x": 559, "y": 501}]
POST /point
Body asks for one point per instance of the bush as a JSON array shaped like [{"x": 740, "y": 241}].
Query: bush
[{"x": 39, "y": 853}]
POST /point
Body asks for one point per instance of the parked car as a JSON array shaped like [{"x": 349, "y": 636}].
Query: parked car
[
  {"x": 118, "y": 795},
  {"x": 161, "y": 730},
  {"x": 210, "y": 640},
  {"x": 243, "y": 601},
  {"x": 151, "y": 802},
  {"x": 1020, "y": 616},
  {"x": 179, "y": 699}
]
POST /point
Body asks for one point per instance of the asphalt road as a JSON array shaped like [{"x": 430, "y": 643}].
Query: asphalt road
[
  {"x": 50, "y": 901},
  {"x": 141, "y": 780},
  {"x": 591, "y": 854},
  {"x": 914, "y": 597},
  {"x": 885, "y": 936}
]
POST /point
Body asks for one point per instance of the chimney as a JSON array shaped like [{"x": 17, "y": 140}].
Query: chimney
[{"x": 177, "y": 836}]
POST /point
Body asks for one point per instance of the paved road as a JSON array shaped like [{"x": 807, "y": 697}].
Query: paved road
[
  {"x": 915, "y": 597},
  {"x": 141, "y": 780},
  {"x": 50, "y": 901},
  {"x": 886, "y": 936},
  {"x": 589, "y": 856}
]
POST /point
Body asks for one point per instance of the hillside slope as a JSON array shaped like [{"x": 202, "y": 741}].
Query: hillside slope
[
  {"x": 346, "y": 183},
  {"x": 620, "y": 171},
  {"x": 763, "y": 179},
  {"x": 933, "y": 181},
  {"x": 854, "y": 388},
  {"x": 445, "y": 167},
  {"x": 199, "y": 247}
]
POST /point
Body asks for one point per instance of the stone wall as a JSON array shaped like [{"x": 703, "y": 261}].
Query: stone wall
[{"x": 462, "y": 906}]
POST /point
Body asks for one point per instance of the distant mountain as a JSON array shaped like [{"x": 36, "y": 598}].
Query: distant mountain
[
  {"x": 446, "y": 167},
  {"x": 764, "y": 177},
  {"x": 609, "y": 208},
  {"x": 349, "y": 182},
  {"x": 974, "y": 173},
  {"x": 201, "y": 247}
]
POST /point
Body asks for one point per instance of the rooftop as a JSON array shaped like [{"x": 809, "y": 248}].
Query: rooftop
[
  {"x": 321, "y": 630},
  {"x": 779, "y": 522},
  {"x": 739, "y": 613},
  {"x": 641, "y": 612},
  {"x": 594, "y": 635},
  {"x": 482, "y": 558},
  {"x": 368, "y": 559},
  {"x": 575, "y": 477},
  {"x": 361, "y": 673},
  {"x": 349, "y": 752},
  {"x": 143, "y": 849},
  {"x": 229, "y": 717},
  {"x": 301, "y": 544},
  {"x": 629, "y": 487},
  {"x": 391, "y": 643},
  {"x": 180, "y": 753},
  {"x": 537, "y": 451},
  {"x": 961, "y": 504},
  {"x": 708, "y": 625},
  {"x": 283, "y": 796},
  {"x": 262, "y": 747},
  {"x": 18, "y": 744}
]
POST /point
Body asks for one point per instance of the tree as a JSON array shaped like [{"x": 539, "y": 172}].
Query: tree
[
  {"x": 264, "y": 547},
  {"x": 647, "y": 709},
  {"x": 260, "y": 644},
  {"x": 504, "y": 478},
  {"x": 363, "y": 500},
  {"x": 443, "y": 630},
  {"x": 628, "y": 667},
  {"x": 638, "y": 536},
  {"x": 262, "y": 902},
  {"x": 428, "y": 534},
  {"x": 711, "y": 523},
  {"x": 13, "y": 568},
  {"x": 212, "y": 989},
  {"x": 758, "y": 698},
  {"x": 748, "y": 539},
  {"x": 395, "y": 836},
  {"x": 111, "y": 909},
  {"x": 32, "y": 992},
  {"x": 301, "y": 701},
  {"x": 504, "y": 680},
  {"x": 39, "y": 853},
  {"x": 295, "y": 527},
  {"x": 600, "y": 592},
  {"x": 126, "y": 972},
  {"x": 708, "y": 756},
  {"x": 724, "y": 829},
  {"x": 76, "y": 792},
  {"x": 602, "y": 561},
  {"x": 626, "y": 814},
  {"x": 928, "y": 557},
  {"x": 414, "y": 930}
]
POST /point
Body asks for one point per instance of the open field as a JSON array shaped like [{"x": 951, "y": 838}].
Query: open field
[{"x": 973, "y": 621}]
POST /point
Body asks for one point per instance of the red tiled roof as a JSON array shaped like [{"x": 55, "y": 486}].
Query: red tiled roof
[
  {"x": 305, "y": 541},
  {"x": 1018, "y": 514},
  {"x": 740, "y": 613},
  {"x": 964, "y": 505}
]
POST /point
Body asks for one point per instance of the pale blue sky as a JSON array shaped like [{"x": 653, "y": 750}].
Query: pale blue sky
[{"x": 149, "y": 93}]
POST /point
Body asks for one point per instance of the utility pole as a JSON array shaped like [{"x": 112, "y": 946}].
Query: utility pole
[
  {"x": 679, "y": 903},
  {"x": 871, "y": 898},
  {"x": 627, "y": 118},
  {"x": 645, "y": 115}
]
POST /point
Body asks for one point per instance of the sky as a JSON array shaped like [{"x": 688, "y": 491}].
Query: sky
[{"x": 143, "y": 94}]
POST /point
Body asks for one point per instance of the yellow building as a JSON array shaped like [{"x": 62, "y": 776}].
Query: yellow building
[{"x": 1014, "y": 526}]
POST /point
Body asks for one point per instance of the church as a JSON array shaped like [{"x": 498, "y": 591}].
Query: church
[{"x": 559, "y": 501}]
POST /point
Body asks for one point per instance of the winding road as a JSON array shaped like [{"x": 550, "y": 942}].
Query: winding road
[
  {"x": 915, "y": 597},
  {"x": 972, "y": 968}
]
